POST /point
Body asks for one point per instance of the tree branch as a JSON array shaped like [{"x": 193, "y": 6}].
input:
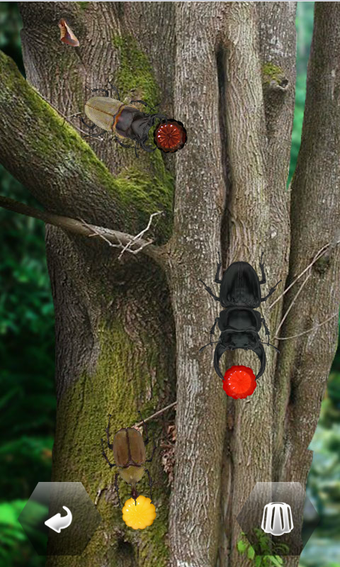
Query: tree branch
[
  {"x": 59, "y": 168},
  {"x": 114, "y": 238}
]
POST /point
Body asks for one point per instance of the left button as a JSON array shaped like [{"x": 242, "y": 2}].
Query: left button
[
  {"x": 52, "y": 531},
  {"x": 58, "y": 522}
]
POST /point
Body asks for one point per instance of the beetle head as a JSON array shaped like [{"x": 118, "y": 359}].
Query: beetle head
[
  {"x": 141, "y": 126},
  {"x": 134, "y": 494}
]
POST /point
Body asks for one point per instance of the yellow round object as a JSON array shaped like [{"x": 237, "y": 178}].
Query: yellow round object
[{"x": 140, "y": 514}]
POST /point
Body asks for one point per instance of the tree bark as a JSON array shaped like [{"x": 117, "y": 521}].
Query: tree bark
[
  {"x": 315, "y": 214},
  {"x": 227, "y": 71},
  {"x": 112, "y": 319},
  {"x": 200, "y": 193}
]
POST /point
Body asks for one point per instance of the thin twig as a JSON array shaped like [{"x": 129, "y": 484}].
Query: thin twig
[
  {"x": 292, "y": 303},
  {"x": 156, "y": 414},
  {"x": 308, "y": 330},
  {"x": 99, "y": 232},
  {"x": 316, "y": 257},
  {"x": 99, "y": 493},
  {"x": 129, "y": 242},
  {"x": 127, "y": 246}
]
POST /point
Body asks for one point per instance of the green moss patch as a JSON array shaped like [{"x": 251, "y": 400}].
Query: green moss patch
[
  {"x": 272, "y": 73},
  {"x": 115, "y": 387},
  {"x": 136, "y": 192},
  {"x": 135, "y": 72}
]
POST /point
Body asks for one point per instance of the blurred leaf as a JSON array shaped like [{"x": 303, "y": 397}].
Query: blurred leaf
[{"x": 241, "y": 546}]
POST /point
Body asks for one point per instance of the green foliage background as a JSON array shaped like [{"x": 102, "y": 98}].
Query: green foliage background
[{"x": 27, "y": 401}]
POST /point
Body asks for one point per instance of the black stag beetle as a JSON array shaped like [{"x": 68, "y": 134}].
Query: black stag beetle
[{"x": 239, "y": 323}]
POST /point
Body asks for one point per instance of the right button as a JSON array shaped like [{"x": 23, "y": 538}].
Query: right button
[{"x": 272, "y": 518}]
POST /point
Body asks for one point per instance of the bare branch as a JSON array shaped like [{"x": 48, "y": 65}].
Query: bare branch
[
  {"x": 308, "y": 330},
  {"x": 114, "y": 238}
]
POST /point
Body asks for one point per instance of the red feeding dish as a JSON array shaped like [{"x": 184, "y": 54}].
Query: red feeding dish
[
  {"x": 170, "y": 136},
  {"x": 239, "y": 382}
]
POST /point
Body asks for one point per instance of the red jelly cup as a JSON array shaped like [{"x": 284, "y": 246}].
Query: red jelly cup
[
  {"x": 170, "y": 136},
  {"x": 239, "y": 382}
]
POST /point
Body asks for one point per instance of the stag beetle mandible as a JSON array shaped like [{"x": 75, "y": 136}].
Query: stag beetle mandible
[{"x": 239, "y": 323}]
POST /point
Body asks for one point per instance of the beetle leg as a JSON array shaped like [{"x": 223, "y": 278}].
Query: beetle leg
[
  {"x": 209, "y": 290},
  {"x": 212, "y": 330},
  {"x": 270, "y": 291},
  {"x": 105, "y": 456},
  {"x": 147, "y": 148},
  {"x": 209, "y": 344},
  {"x": 121, "y": 143},
  {"x": 259, "y": 350},
  {"x": 160, "y": 117},
  {"x": 153, "y": 451},
  {"x": 146, "y": 104},
  {"x": 141, "y": 102},
  {"x": 262, "y": 271},
  {"x": 110, "y": 446},
  {"x": 266, "y": 328},
  {"x": 103, "y": 90},
  {"x": 113, "y": 88},
  {"x": 219, "y": 264},
  {"x": 219, "y": 350},
  {"x": 145, "y": 429},
  {"x": 150, "y": 482},
  {"x": 269, "y": 344},
  {"x": 91, "y": 127},
  {"x": 117, "y": 489}
]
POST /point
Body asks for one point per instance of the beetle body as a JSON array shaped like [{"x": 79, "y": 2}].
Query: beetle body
[
  {"x": 239, "y": 323},
  {"x": 126, "y": 121},
  {"x": 240, "y": 286},
  {"x": 129, "y": 453}
]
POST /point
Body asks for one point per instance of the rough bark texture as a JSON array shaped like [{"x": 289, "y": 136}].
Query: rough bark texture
[
  {"x": 315, "y": 215},
  {"x": 196, "y": 240},
  {"x": 112, "y": 319},
  {"x": 227, "y": 70}
]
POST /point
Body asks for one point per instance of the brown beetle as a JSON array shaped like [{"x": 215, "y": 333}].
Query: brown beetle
[{"x": 130, "y": 456}]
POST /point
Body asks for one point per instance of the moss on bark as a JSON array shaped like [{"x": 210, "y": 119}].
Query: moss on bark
[
  {"x": 272, "y": 74},
  {"x": 136, "y": 194},
  {"x": 82, "y": 418},
  {"x": 135, "y": 73}
]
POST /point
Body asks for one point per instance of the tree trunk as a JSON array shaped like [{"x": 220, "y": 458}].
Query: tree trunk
[
  {"x": 113, "y": 319},
  {"x": 125, "y": 329}
]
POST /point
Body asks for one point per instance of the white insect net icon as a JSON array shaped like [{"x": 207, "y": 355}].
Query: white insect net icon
[{"x": 277, "y": 518}]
